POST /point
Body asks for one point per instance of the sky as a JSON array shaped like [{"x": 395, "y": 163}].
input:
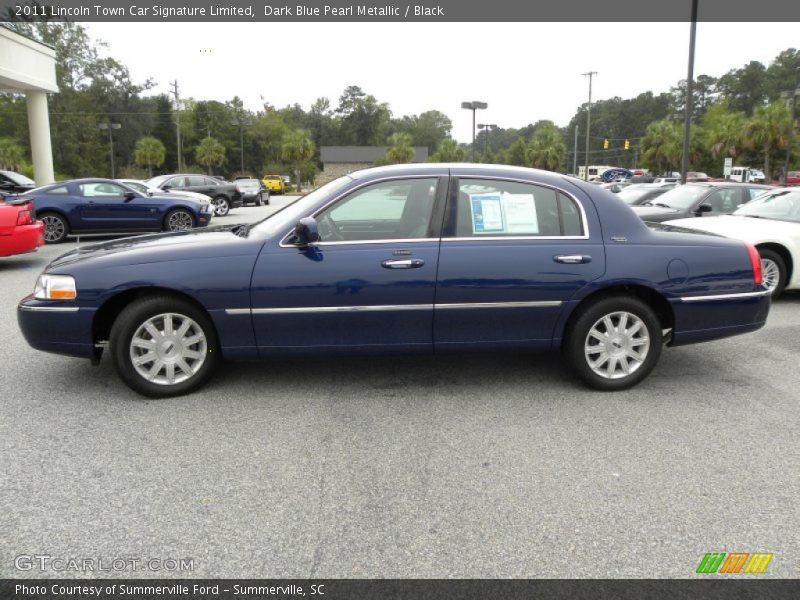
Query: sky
[{"x": 524, "y": 71}]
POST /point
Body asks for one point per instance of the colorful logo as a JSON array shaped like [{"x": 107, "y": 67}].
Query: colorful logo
[{"x": 732, "y": 563}]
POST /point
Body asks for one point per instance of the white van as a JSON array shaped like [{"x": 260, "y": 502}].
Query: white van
[
  {"x": 595, "y": 172},
  {"x": 747, "y": 175}
]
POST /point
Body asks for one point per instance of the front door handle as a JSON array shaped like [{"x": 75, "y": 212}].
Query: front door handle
[
  {"x": 408, "y": 263},
  {"x": 572, "y": 259}
]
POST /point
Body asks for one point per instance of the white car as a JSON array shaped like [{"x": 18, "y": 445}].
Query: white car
[
  {"x": 141, "y": 186},
  {"x": 771, "y": 222}
]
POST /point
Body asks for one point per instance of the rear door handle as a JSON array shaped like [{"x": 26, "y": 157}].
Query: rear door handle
[
  {"x": 572, "y": 259},
  {"x": 408, "y": 263}
]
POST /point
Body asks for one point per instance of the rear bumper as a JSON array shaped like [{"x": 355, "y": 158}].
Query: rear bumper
[
  {"x": 25, "y": 238},
  {"x": 57, "y": 327},
  {"x": 712, "y": 317}
]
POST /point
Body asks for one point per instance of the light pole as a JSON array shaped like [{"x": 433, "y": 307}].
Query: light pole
[
  {"x": 109, "y": 125},
  {"x": 488, "y": 127},
  {"x": 575, "y": 158},
  {"x": 791, "y": 97},
  {"x": 590, "y": 74},
  {"x": 241, "y": 123},
  {"x": 473, "y": 106},
  {"x": 687, "y": 117}
]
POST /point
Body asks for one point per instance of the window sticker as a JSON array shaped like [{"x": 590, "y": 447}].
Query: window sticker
[
  {"x": 504, "y": 213},
  {"x": 487, "y": 213}
]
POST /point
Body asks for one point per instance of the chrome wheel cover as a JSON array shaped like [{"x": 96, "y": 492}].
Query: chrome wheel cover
[
  {"x": 220, "y": 207},
  {"x": 617, "y": 345},
  {"x": 54, "y": 228},
  {"x": 168, "y": 349},
  {"x": 770, "y": 273},
  {"x": 179, "y": 221}
]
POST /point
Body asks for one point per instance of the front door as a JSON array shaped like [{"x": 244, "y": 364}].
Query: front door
[
  {"x": 105, "y": 206},
  {"x": 368, "y": 284},
  {"x": 513, "y": 253}
]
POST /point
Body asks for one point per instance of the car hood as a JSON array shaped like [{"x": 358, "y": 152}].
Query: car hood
[
  {"x": 742, "y": 228},
  {"x": 227, "y": 240}
]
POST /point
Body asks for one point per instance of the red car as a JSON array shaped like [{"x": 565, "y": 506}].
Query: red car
[
  {"x": 793, "y": 178},
  {"x": 20, "y": 232}
]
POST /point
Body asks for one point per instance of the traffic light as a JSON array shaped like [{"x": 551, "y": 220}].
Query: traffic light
[
  {"x": 627, "y": 144},
  {"x": 605, "y": 144}
]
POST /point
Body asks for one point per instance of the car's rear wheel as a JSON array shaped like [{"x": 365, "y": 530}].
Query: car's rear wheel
[
  {"x": 178, "y": 220},
  {"x": 163, "y": 346},
  {"x": 56, "y": 227},
  {"x": 221, "y": 206},
  {"x": 614, "y": 343},
  {"x": 773, "y": 270}
]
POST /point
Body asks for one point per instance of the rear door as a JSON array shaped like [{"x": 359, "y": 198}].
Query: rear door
[{"x": 512, "y": 253}]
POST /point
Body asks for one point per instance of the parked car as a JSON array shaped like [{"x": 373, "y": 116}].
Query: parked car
[
  {"x": 793, "y": 178},
  {"x": 639, "y": 193},
  {"x": 771, "y": 223},
  {"x": 141, "y": 186},
  {"x": 223, "y": 195},
  {"x": 20, "y": 232},
  {"x": 388, "y": 260},
  {"x": 699, "y": 199},
  {"x": 274, "y": 183},
  {"x": 695, "y": 176},
  {"x": 14, "y": 183},
  {"x": 252, "y": 191},
  {"x": 105, "y": 206}
]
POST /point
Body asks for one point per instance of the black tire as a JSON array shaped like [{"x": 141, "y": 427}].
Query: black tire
[
  {"x": 770, "y": 256},
  {"x": 131, "y": 321},
  {"x": 592, "y": 316},
  {"x": 176, "y": 217},
  {"x": 222, "y": 206},
  {"x": 56, "y": 227}
]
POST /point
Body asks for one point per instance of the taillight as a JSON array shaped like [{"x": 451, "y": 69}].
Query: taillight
[
  {"x": 24, "y": 217},
  {"x": 755, "y": 262}
]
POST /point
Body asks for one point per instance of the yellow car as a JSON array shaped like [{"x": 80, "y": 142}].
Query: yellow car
[{"x": 274, "y": 183}]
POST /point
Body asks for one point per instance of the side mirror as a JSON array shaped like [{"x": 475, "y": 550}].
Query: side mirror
[
  {"x": 306, "y": 231},
  {"x": 166, "y": 188},
  {"x": 703, "y": 208},
  {"x": 129, "y": 196}
]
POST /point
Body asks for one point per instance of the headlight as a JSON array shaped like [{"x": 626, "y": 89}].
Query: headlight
[{"x": 55, "y": 287}]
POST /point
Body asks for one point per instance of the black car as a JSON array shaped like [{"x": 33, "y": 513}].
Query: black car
[
  {"x": 15, "y": 183},
  {"x": 224, "y": 195},
  {"x": 697, "y": 199}
]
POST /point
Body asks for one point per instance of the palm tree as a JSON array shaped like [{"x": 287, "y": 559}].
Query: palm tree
[
  {"x": 547, "y": 149},
  {"x": 767, "y": 131},
  {"x": 517, "y": 153},
  {"x": 724, "y": 131},
  {"x": 400, "y": 150},
  {"x": 297, "y": 148},
  {"x": 662, "y": 145},
  {"x": 448, "y": 151},
  {"x": 149, "y": 151},
  {"x": 11, "y": 154},
  {"x": 210, "y": 153}
]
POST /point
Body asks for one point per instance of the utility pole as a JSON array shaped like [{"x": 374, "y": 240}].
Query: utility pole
[
  {"x": 590, "y": 74},
  {"x": 575, "y": 158},
  {"x": 792, "y": 97},
  {"x": 687, "y": 119},
  {"x": 174, "y": 87}
]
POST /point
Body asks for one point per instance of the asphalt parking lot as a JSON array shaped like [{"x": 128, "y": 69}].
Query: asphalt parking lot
[{"x": 452, "y": 466}]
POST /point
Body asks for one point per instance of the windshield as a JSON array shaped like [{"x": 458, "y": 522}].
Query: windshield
[
  {"x": 18, "y": 178},
  {"x": 157, "y": 181},
  {"x": 633, "y": 195},
  {"x": 783, "y": 205},
  {"x": 286, "y": 218},
  {"x": 682, "y": 197}
]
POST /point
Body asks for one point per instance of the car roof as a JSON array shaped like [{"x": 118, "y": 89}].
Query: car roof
[{"x": 439, "y": 167}]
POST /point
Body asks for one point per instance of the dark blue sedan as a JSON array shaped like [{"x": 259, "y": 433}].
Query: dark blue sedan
[
  {"x": 412, "y": 258},
  {"x": 106, "y": 206}
]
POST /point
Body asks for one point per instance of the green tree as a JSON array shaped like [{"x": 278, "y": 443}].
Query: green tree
[
  {"x": 547, "y": 149},
  {"x": 400, "y": 149},
  {"x": 448, "y": 151},
  {"x": 12, "y": 155},
  {"x": 297, "y": 148},
  {"x": 768, "y": 132},
  {"x": 149, "y": 151},
  {"x": 517, "y": 153},
  {"x": 724, "y": 131},
  {"x": 662, "y": 145},
  {"x": 210, "y": 153}
]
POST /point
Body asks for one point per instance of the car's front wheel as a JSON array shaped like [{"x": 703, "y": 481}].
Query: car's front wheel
[
  {"x": 178, "y": 220},
  {"x": 221, "y": 206},
  {"x": 55, "y": 228},
  {"x": 163, "y": 346},
  {"x": 614, "y": 343},
  {"x": 773, "y": 271}
]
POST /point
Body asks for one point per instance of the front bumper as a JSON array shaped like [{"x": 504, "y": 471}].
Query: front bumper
[{"x": 58, "y": 327}]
